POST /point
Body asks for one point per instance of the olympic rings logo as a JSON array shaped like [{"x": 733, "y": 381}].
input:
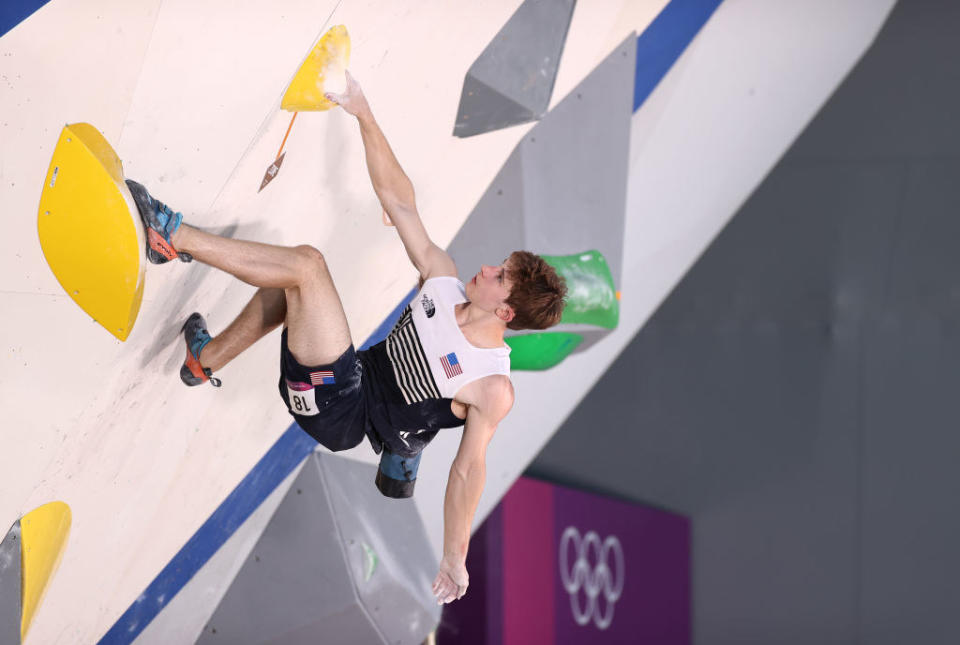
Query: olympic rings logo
[{"x": 602, "y": 578}]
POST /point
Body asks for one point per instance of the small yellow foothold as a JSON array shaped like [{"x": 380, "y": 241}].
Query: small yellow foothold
[
  {"x": 618, "y": 295},
  {"x": 327, "y": 60},
  {"x": 44, "y": 532}
]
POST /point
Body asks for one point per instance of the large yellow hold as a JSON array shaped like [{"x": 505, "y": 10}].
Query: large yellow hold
[
  {"x": 87, "y": 229},
  {"x": 44, "y": 532},
  {"x": 326, "y": 62}
]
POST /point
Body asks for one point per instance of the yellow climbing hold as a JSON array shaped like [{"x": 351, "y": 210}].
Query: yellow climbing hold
[
  {"x": 327, "y": 61},
  {"x": 87, "y": 229},
  {"x": 44, "y": 534}
]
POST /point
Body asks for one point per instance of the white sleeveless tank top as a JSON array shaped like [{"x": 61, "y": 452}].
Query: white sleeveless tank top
[{"x": 431, "y": 357}]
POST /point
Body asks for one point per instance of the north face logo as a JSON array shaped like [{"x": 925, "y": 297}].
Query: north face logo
[{"x": 428, "y": 306}]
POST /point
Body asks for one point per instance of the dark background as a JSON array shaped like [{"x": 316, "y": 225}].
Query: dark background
[{"x": 797, "y": 394}]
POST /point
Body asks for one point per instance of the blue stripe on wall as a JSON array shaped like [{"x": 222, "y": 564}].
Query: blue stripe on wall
[
  {"x": 381, "y": 332},
  {"x": 285, "y": 455},
  {"x": 13, "y": 12},
  {"x": 279, "y": 462},
  {"x": 658, "y": 48},
  {"x": 661, "y": 44}
]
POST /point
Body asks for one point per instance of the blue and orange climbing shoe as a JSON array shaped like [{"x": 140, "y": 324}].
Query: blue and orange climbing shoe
[
  {"x": 160, "y": 222},
  {"x": 196, "y": 336}
]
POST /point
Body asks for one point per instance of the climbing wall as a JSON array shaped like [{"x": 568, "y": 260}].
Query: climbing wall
[{"x": 189, "y": 97}]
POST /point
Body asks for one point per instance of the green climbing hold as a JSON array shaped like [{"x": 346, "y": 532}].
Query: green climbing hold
[
  {"x": 591, "y": 295},
  {"x": 592, "y": 300},
  {"x": 541, "y": 351},
  {"x": 371, "y": 561}
]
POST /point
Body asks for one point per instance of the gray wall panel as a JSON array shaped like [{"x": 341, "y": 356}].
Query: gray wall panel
[
  {"x": 337, "y": 563},
  {"x": 575, "y": 165},
  {"x": 483, "y": 109},
  {"x": 512, "y": 79},
  {"x": 396, "y": 590},
  {"x": 294, "y": 578},
  {"x": 10, "y": 603},
  {"x": 495, "y": 226},
  {"x": 911, "y": 524}
]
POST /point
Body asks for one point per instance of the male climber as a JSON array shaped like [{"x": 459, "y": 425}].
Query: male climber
[{"x": 443, "y": 365}]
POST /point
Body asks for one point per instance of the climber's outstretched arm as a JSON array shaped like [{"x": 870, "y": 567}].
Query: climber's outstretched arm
[{"x": 393, "y": 187}]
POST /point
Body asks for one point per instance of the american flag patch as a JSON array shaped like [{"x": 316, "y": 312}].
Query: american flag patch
[
  {"x": 451, "y": 366},
  {"x": 323, "y": 377}
]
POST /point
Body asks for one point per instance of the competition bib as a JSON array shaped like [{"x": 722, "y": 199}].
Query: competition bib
[{"x": 303, "y": 398}]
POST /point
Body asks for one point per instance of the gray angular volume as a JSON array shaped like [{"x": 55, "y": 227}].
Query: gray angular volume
[
  {"x": 563, "y": 189},
  {"x": 575, "y": 164},
  {"x": 513, "y": 78},
  {"x": 10, "y": 607},
  {"x": 338, "y": 563}
]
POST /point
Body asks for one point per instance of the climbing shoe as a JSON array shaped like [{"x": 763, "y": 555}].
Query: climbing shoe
[
  {"x": 196, "y": 336},
  {"x": 160, "y": 222}
]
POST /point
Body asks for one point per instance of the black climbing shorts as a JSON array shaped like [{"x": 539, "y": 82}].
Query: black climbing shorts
[{"x": 325, "y": 400}]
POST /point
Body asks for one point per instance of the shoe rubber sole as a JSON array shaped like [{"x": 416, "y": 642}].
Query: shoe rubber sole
[
  {"x": 192, "y": 372},
  {"x": 159, "y": 251}
]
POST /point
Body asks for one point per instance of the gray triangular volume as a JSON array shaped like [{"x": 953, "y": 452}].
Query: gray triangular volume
[
  {"x": 575, "y": 164},
  {"x": 563, "y": 189},
  {"x": 10, "y": 607},
  {"x": 483, "y": 109},
  {"x": 337, "y": 563},
  {"x": 518, "y": 68},
  {"x": 494, "y": 228}
]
